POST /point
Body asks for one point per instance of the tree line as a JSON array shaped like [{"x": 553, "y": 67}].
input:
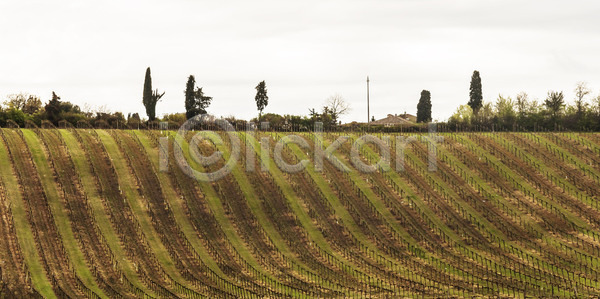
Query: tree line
[
  {"x": 524, "y": 113},
  {"x": 25, "y": 110},
  {"x": 504, "y": 114}
]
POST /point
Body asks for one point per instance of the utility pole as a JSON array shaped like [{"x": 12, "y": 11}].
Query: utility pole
[{"x": 368, "y": 112}]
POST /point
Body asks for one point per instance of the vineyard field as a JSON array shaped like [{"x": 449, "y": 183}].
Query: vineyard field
[{"x": 147, "y": 214}]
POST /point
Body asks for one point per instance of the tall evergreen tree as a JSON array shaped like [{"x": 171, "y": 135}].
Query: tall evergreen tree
[
  {"x": 150, "y": 98},
  {"x": 261, "y": 98},
  {"x": 195, "y": 100},
  {"x": 424, "y": 107},
  {"x": 53, "y": 109},
  {"x": 475, "y": 94},
  {"x": 147, "y": 97},
  {"x": 190, "y": 97}
]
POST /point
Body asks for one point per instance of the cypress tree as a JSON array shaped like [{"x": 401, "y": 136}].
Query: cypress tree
[
  {"x": 150, "y": 98},
  {"x": 195, "y": 100},
  {"x": 147, "y": 97},
  {"x": 475, "y": 94},
  {"x": 190, "y": 97},
  {"x": 261, "y": 98},
  {"x": 424, "y": 107}
]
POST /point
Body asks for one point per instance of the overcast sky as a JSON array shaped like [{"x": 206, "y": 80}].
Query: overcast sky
[{"x": 96, "y": 52}]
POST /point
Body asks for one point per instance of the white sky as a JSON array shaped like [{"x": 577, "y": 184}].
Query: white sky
[{"x": 96, "y": 52}]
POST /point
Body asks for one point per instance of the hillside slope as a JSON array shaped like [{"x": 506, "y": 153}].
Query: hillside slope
[{"x": 95, "y": 213}]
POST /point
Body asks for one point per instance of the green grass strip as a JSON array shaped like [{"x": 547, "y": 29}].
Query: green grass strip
[
  {"x": 138, "y": 207},
  {"x": 255, "y": 206},
  {"x": 570, "y": 157},
  {"x": 524, "y": 183},
  {"x": 216, "y": 206},
  {"x": 176, "y": 204},
  {"x": 442, "y": 229},
  {"x": 61, "y": 219},
  {"x": 300, "y": 212},
  {"x": 551, "y": 240},
  {"x": 87, "y": 181},
  {"x": 23, "y": 229},
  {"x": 380, "y": 207},
  {"x": 550, "y": 172},
  {"x": 338, "y": 207}
]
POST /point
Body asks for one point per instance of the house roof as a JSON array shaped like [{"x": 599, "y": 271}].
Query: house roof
[{"x": 393, "y": 120}]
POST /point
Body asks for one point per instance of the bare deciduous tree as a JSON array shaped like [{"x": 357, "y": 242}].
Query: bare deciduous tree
[
  {"x": 581, "y": 90},
  {"x": 16, "y": 101},
  {"x": 27, "y": 103},
  {"x": 337, "y": 107}
]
